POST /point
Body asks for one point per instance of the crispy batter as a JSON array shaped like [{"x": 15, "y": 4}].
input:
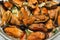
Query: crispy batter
[
  {"x": 57, "y": 14},
  {"x": 36, "y": 11},
  {"x": 6, "y": 17},
  {"x": 2, "y": 9},
  {"x": 24, "y": 13},
  {"x": 41, "y": 18},
  {"x": 20, "y": 17},
  {"x": 32, "y": 1},
  {"x": 44, "y": 11},
  {"x": 26, "y": 18},
  {"x": 52, "y": 14},
  {"x": 38, "y": 27},
  {"x": 18, "y": 2},
  {"x": 13, "y": 31},
  {"x": 30, "y": 20},
  {"x": 59, "y": 20},
  {"x": 14, "y": 20},
  {"x": 8, "y": 4},
  {"x": 49, "y": 24},
  {"x": 36, "y": 36}
]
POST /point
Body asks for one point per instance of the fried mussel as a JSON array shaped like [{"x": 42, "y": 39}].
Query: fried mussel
[
  {"x": 39, "y": 36},
  {"x": 14, "y": 31}
]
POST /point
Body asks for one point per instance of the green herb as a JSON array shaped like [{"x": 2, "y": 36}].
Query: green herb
[
  {"x": 25, "y": 4},
  {"x": 55, "y": 31},
  {"x": 7, "y": 23},
  {"x": 14, "y": 10},
  {"x": 27, "y": 32}
]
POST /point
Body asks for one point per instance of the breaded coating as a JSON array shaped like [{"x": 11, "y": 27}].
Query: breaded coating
[
  {"x": 52, "y": 14},
  {"x": 38, "y": 27},
  {"x": 18, "y": 2},
  {"x": 30, "y": 20},
  {"x": 36, "y": 11},
  {"x": 59, "y": 20},
  {"x": 8, "y": 5},
  {"x": 42, "y": 18},
  {"x": 14, "y": 20},
  {"x": 13, "y": 31},
  {"x": 24, "y": 13},
  {"x": 32, "y": 1},
  {"x": 49, "y": 24},
  {"x": 44, "y": 11},
  {"x": 6, "y": 17},
  {"x": 36, "y": 36}
]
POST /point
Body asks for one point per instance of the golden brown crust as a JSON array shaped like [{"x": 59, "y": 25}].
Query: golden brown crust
[
  {"x": 36, "y": 27},
  {"x": 44, "y": 11},
  {"x": 36, "y": 36},
  {"x": 49, "y": 24},
  {"x": 32, "y": 2},
  {"x": 36, "y": 11},
  {"x": 13, "y": 31},
  {"x": 8, "y": 4},
  {"x": 14, "y": 20},
  {"x": 18, "y": 2},
  {"x": 6, "y": 17}
]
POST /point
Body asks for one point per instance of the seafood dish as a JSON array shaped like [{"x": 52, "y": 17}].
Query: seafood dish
[{"x": 29, "y": 19}]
